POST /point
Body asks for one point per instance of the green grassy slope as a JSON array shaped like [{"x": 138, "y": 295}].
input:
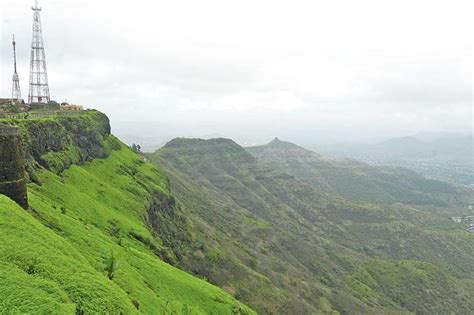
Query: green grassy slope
[
  {"x": 54, "y": 257},
  {"x": 283, "y": 246}
]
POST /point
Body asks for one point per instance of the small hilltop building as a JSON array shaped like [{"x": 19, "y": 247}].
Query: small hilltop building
[{"x": 70, "y": 107}]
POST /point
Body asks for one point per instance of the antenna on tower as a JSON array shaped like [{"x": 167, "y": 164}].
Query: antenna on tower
[
  {"x": 39, "y": 88},
  {"x": 36, "y": 7},
  {"x": 16, "y": 92}
]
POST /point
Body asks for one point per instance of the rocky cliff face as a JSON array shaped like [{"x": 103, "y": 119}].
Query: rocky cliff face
[
  {"x": 56, "y": 143},
  {"x": 12, "y": 165}
]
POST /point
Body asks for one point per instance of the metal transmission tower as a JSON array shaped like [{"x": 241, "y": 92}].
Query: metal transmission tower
[
  {"x": 16, "y": 92},
  {"x": 39, "y": 89}
]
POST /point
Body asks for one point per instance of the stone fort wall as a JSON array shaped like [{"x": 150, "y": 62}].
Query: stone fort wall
[{"x": 12, "y": 165}]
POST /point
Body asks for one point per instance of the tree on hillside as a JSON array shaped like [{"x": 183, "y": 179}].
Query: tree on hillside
[
  {"x": 136, "y": 148},
  {"x": 52, "y": 103},
  {"x": 111, "y": 265}
]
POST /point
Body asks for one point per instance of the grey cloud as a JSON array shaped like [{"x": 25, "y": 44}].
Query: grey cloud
[{"x": 174, "y": 69}]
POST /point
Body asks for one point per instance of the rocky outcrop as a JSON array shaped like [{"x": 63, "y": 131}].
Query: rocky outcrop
[
  {"x": 56, "y": 143},
  {"x": 167, "y": 220},
  {"x": 12, "y": 165}
]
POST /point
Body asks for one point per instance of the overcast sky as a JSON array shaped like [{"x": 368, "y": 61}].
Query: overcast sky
[{"x": 283, "y": 67}]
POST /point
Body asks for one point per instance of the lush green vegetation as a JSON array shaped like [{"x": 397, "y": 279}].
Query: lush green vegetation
[
  {"x": 85, "y": 245},
  {"x": 283, "y": 245},
  {"x": 281, "y": 229},
  {"x": 80, "y": 219}
]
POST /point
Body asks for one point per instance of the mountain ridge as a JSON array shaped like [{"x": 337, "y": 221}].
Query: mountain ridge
[
  {"x": 352, "y": 179},
  {"x": 302, "y": 239}
]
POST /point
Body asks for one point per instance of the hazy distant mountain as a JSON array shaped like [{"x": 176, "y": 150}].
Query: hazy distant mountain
[
  {"x": 457, "y": 148},
  {"x": 449, "y": 158},
  {"x": 429, "y": 136}
]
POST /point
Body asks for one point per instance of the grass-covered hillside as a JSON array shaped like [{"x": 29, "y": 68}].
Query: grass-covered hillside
[
  {"x": 286, "y": 247},
  {"x": 85, "y": 246}
]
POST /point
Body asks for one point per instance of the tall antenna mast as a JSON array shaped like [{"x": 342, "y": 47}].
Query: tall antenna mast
[
  {"x": 16, "y": 92},
  {"x": 39, "y": 89}
]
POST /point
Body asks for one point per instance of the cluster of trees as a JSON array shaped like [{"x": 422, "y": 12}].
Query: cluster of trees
[
  {"x": 137, "y": 148},
  {"x": 12, "y": 106}
]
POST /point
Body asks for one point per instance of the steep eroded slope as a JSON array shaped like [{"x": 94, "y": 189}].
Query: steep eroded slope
[{"x": 85, "y": 245}]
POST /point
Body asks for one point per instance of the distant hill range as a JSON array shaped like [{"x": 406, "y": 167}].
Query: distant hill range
[
  {"x": 440, "y": 156},
  {"x": 450, "y": 148}
]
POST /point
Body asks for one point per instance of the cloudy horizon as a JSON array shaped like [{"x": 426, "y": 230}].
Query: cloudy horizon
[{"x": 371, "y": 68}]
